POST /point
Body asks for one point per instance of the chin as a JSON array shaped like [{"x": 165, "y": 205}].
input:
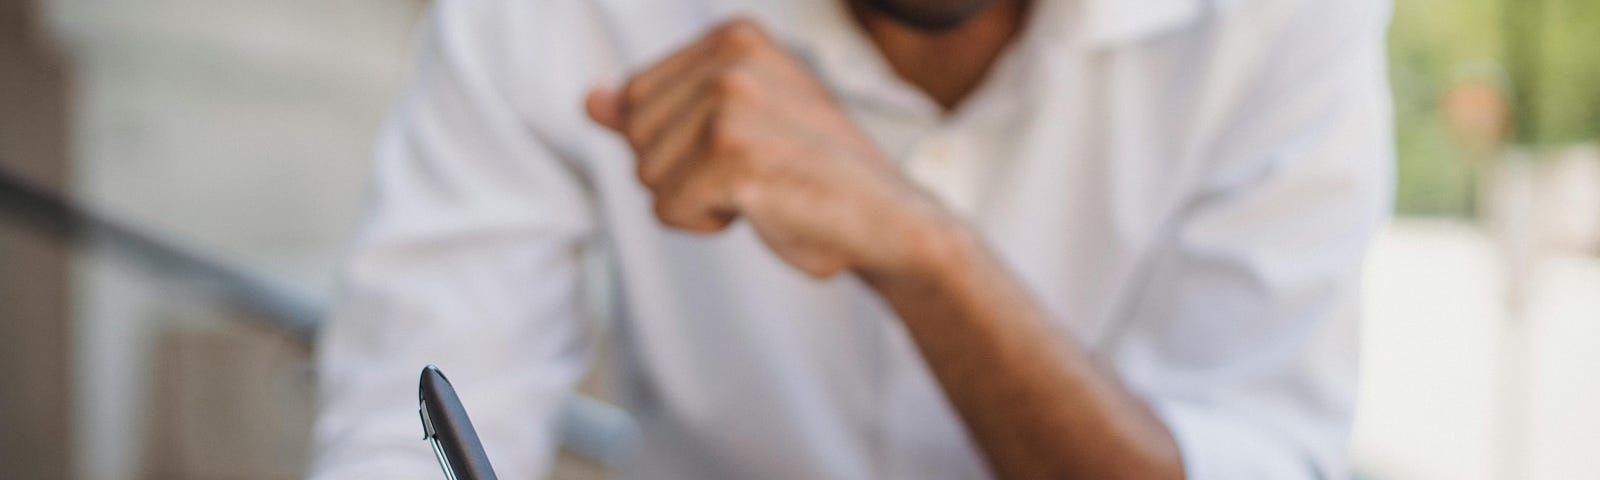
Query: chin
[{"x": 932, "y": 15}]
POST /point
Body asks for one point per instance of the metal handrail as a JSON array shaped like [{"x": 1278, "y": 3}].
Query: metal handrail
[
  {"x": 589, "y": 427},
  {"x": 273, "y": 304}
]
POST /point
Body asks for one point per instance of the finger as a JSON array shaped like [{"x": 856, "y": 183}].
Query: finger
[
  {"x": 661, "y": 74},
  {"x": 819, "y": 264},
  {"x": 738, "y": 32},
  {"x": 813, "y": 261},
  {"x": 651, "y": 116},
  {"x": 604, "y": 105},
  {"x": 677, "y": 143},
  {"x": 695, "y": 199}
]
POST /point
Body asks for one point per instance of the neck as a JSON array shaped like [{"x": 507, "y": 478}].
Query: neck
[{"x": 946, "y": 65}]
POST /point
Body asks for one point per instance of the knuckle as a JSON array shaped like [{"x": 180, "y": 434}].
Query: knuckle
[
  {"x": 664, "y": 213},
  {"x": 704, "y": 224},
  {"x": 717, "y": 223},
  {"x": 635, "y": 90},
  {"x": 734, "y": 83},
  {"x": 647, "y": 174},
  {"x": 727, "y": 141},
  {"x": 740, "y": 36},
  {"x": 669, "y": 213},
  {"x": 654, "y": 171},
  {"x": 636, "y": 137},
  {"x": 681, "y": 215},
  {"x": 748, "y": 196}
]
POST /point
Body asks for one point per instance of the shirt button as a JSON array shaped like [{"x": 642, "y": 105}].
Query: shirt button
[{"x": 939, "y": 152}]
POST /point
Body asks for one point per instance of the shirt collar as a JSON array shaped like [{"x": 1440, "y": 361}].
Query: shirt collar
[
  {"x": 1098, "y": 23},
  {"x": 1108, "y": 23},
  {"x": 821, "y": 32}
]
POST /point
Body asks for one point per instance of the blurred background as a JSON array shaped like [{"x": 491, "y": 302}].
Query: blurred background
[{"x": 178, "y": 178}]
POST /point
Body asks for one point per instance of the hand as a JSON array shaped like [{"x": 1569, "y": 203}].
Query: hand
[{"x": 733, "y": 126}]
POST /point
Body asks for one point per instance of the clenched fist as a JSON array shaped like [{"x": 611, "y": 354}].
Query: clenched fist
[{"x": 733, "y": 126}]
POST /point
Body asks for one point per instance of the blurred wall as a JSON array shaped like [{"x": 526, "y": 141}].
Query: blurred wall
[
  {"x": 241, "y": 130},
  {"x": 33, "y": 269}
]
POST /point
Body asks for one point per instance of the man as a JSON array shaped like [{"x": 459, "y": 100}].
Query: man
[{"x": 878, "y": 239}]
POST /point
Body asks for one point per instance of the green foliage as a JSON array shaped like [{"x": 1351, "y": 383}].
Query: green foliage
[
  {"x": 1550, "y": 52},
  {"x": 1564, "y": 74}
]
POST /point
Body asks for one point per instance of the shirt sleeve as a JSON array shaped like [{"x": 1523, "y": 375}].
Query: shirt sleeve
[
  {"x": 469, "y": 259},
  {"x": 1243, "y": 335}
]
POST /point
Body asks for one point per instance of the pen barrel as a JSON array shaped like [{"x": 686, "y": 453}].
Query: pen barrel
[{"x": 452, "y": 429}]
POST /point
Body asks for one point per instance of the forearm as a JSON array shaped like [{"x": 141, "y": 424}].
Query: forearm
[
  {"x": 733, "y": 126},
  {"x": 1032, "y": 398}
]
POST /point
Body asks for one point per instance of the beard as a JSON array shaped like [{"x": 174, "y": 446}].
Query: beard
[{"x": 928, "y": 15}]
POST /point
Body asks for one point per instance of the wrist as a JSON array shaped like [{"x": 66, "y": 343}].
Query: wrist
[{"x": 930, "y": 246}]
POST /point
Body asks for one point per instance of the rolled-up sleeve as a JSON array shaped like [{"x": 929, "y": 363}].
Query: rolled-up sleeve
[
  {"x": 1242, "y": 336},
  {"x": 468, "y": 259}
]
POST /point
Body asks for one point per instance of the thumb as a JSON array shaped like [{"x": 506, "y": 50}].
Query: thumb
[{"x": 605, "y": 107}]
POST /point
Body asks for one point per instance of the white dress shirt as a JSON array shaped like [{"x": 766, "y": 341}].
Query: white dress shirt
[{"x": 1187, "y": 186}]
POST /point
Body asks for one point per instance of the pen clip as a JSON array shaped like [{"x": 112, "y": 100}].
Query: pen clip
[{"x": 432, "y": 436}]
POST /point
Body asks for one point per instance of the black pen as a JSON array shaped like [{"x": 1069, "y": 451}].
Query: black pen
[{"x": 446, "y": 426}]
